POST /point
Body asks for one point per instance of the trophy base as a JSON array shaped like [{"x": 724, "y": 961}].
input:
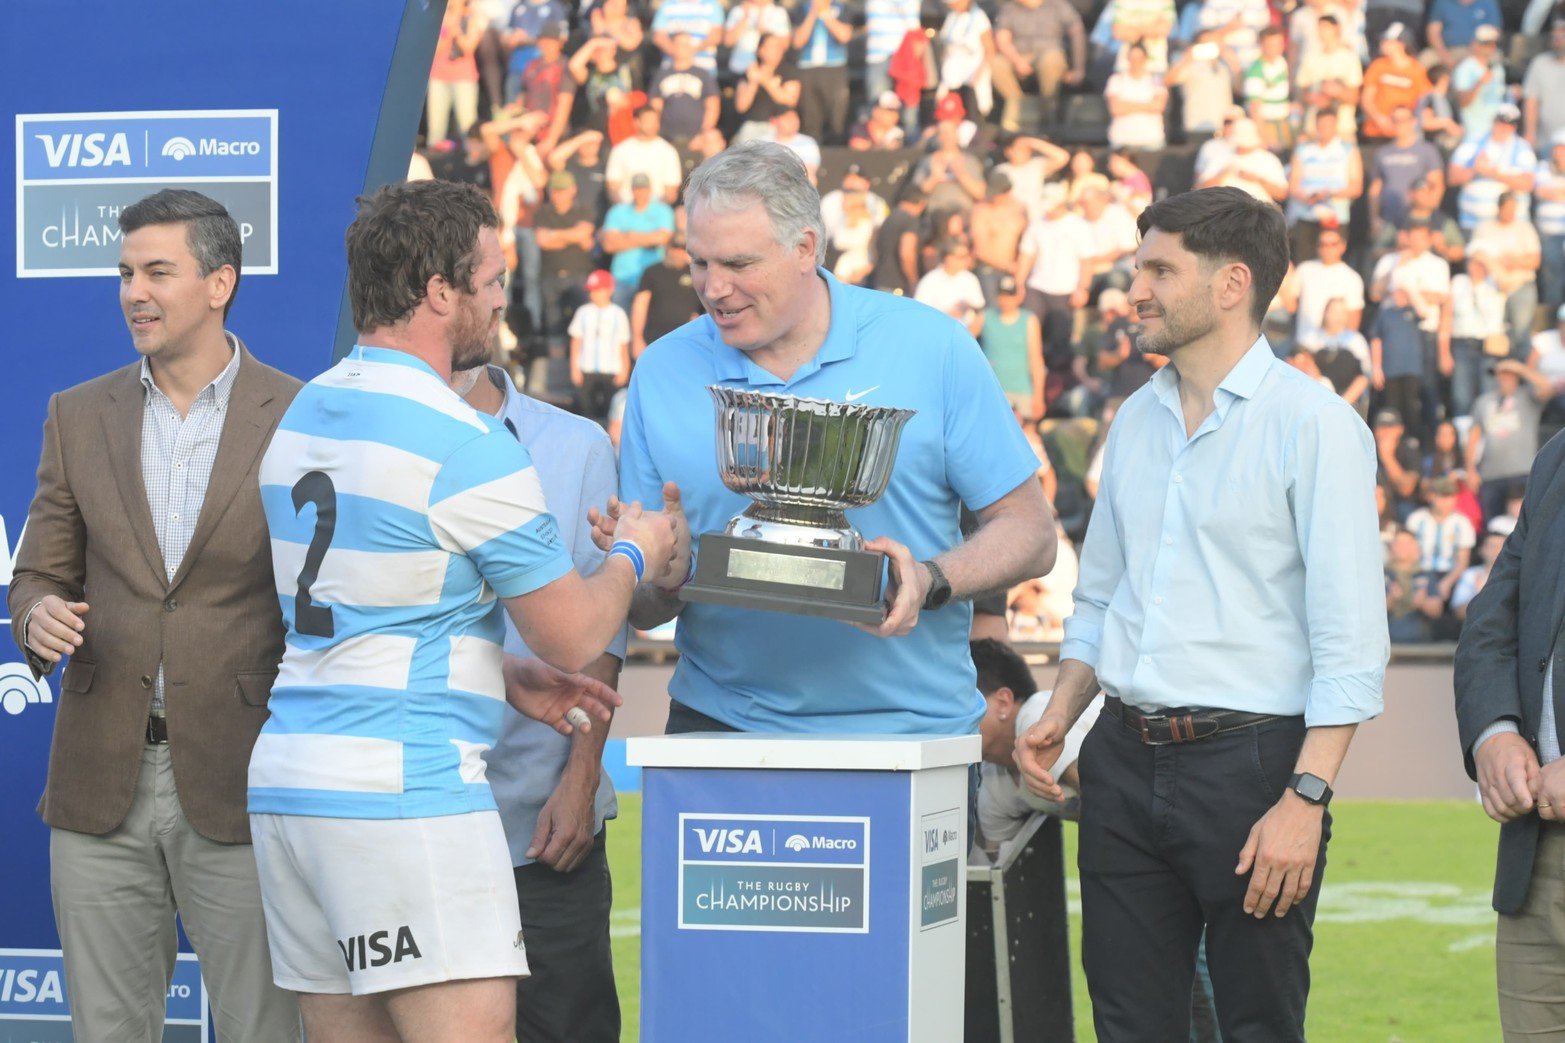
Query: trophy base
[{"x": 777, "y": 577}]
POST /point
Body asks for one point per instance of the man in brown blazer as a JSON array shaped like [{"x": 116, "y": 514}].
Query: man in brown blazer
[{"x": 148, "y": 510}]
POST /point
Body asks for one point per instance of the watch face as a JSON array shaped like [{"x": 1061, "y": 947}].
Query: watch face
[{"x": 1310, "y": 787}]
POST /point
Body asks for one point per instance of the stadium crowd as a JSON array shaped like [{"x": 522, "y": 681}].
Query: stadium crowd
[{"x": 990, "y": 160}]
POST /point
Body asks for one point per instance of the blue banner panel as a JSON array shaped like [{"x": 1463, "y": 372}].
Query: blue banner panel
[
  {"x": 33, "y": 1006},
  {"x": 285, "y": 111},
  {"x": 798, "y": 879}
]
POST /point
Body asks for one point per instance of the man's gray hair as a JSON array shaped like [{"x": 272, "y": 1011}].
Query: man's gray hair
[{"x": 767, "y": 173}]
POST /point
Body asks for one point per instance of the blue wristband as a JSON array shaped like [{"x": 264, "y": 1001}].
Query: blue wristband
[{"x": 631, "y": 553}]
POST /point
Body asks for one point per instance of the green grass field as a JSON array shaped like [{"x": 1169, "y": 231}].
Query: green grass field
[{"x": 1404, "y": 937}]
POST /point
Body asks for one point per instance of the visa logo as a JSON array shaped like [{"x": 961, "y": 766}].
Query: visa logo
[
  {"x": 729, "y": 841},
  {"x": 86, "y": 150}
]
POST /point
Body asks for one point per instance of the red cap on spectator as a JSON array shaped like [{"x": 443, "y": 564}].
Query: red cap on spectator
[
  {"x": 951, "y": 108},
  {"x": 600, "y": 280}
]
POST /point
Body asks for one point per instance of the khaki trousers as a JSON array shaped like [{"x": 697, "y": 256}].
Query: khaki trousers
[
  {"x": 1049, "y": 66},
  {"x": 1530, "y": 950},
  {"x": 115, "y": 899}
]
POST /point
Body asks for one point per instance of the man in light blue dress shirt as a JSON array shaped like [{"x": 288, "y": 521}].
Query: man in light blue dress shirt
[
  {"x": 553, "y": 793},
  {"x": 1230, "y": 606}
]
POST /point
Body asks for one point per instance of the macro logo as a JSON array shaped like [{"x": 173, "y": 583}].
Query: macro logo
[
  {"x": 797, "y": 842},
  {"x": 178, "y": 149},
  {"x": 77, "y": 171}
]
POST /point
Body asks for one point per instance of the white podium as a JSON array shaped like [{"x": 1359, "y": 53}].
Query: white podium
[{"x": 803, "y": 887}]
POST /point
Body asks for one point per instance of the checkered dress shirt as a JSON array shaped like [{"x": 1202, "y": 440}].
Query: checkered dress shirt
[{"x": 177, "y": 454}]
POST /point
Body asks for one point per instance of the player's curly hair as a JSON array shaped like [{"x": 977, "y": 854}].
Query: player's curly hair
[{"x": 405, "y": 235}]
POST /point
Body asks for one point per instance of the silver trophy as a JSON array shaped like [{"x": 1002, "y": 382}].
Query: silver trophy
[{"x": 804, "y": 462}]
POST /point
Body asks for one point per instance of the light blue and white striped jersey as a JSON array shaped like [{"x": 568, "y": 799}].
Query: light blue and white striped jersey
[
  {"x": 886, "y": 22},
  {"x": 399, "y": 516}
]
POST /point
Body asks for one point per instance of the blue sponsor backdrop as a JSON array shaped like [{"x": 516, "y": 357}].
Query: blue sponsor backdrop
[
  {"x": 822, "y": 977},
  {"x": 345, "y": 79}
]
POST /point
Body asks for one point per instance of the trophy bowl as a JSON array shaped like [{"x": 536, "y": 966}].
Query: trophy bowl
[{"x": 803, "y": 461}]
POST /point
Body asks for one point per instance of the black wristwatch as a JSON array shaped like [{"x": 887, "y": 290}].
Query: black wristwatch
[
  {"x": 1311, "y": 788},
  {"x": 939, "y": 587}
]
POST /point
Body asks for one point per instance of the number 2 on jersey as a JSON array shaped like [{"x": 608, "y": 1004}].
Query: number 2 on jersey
[{"x": 308, "y": 617}]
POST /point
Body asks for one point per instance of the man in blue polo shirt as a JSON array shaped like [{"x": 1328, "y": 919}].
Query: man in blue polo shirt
[{"x": 777, "y": 322}]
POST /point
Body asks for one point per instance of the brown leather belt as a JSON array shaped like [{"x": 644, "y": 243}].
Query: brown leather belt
[
  {"x": 1167, "y": 729},
  {"x": 157, "y": 731}
]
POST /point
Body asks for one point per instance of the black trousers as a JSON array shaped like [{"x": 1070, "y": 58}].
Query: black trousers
[
  {"x": 823, "y": 104},
  {"x": 570, "y": 997},
  {"x": 1161, "y": 831},
  {"x": 683, "y": 720}
]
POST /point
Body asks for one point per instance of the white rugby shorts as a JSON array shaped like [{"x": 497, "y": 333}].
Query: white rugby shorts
[{"x": 368, "y": 905}]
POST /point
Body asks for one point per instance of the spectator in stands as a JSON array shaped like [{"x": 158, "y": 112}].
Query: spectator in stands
[
  {"x": 1478, "y": 332},
  {"x": 1321, "y": 280},
  {"x": 1487, "y": 166},
  {"x": 1251, "y": 168},
  {"x": 965, "y": 45},
  {"x": 1454, "y": 25},
  {"x": 851, "y": 237},
  {"x": 1445, "y": 536},
  {"x": 1503, "y": 438},
  {"x": 1423, "y": 201},
  {"x": 951, "y": 287},
  {"x": 490, "y": 53},
  {"x": 1514, "y": 252},
  {"x": 702, "y": 19},
  {"x": 518, "y": 199},
  {"x": 1397, "y": 166},
  {"x": 1303, "y": 360},
  {"x": 750, "y": 22},
  {"x": 1399, "y": 457},
  {"x": 1147, "y": 22},
  {"x": 1205, "y": 75},
  {"x": 1478, "y": 83},
  {"x": 999, "y": 220},
  {"x": 1137, "y": 100},
  {"x": 821, "y": 40},
  {"x": 770, "y": 85},
  {"x": 881, "y": 127},
  {"x": 583, "y": 157},
  {"x": 895, "y": 253},
  {"x": 1053, "y": 265},
  {"x": 566, "y": 232},
  {"x": 1238, "y": 24},
  {"x": 1132, "y": 189},
  {"x": 1268, "y": 91},
  {"x": 1381, "y": 15},
  {"x": 1412, "y": 603},
  {"x": 525, "y": 25},
  {"x": 1474, "y": 578},
  {"x": 951, "y": 177},
  {"x": 1444, "y": 458},
  {"x": 635, "y": 235},
  {"x": 886, "y": 22},
  {"x": 602, "y": 79},
  {"x": 665, "y": 298},
  {"x": 1424, "y": 278},
  {"x": 1343, "y": 356},
  {"x": 1543, "y": 91},
  {"x": 1325, "y": 177},
  {"x": 1012, "y": 341},
  {"x": 1304, "y": 26},
  {"x": 1029, "y": 162},
  {"x": 1549, "y": 215},
  {"x": 1397, "y": 353},
  {"x": 453, "y": 79},
  {"x": 613, "y": 19},
  {"x": 600, "y": 347},
  {"x": 1330, "y": 76},
  {"x": 1395, "y": 80},
  {"x": 687, "y": 99},
  {"x": 1214, "y": 154},
  {"x": 1548, "y": 358},
  {"x": 1037, "y": 38},
  {"x": 785, "y": 131},
  {"x": 547, "y": 85},
  {"x": 1434, "y": 113},
  {"x": 1113, "y": 239},
  {"x": 646, "y": 154}
]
